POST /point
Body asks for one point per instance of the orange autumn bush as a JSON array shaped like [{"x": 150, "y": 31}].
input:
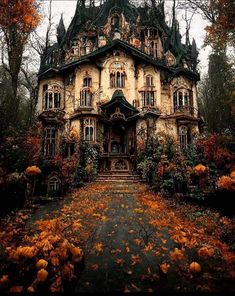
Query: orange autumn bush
[
  {"x": 200, "y": 169},
  {"x": 226, "y": 183}
]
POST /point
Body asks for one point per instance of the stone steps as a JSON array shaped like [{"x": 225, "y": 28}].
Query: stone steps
[{"x": 118, "y": 177}]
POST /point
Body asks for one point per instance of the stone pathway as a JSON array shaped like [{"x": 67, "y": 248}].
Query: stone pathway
[{"x": 136, "y": 241}]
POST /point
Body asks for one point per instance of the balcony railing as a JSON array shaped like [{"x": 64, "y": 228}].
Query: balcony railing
[{"x": 184, "y": 109}]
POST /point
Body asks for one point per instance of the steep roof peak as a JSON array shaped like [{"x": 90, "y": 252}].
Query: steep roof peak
[{"x": 60, "y": 31}]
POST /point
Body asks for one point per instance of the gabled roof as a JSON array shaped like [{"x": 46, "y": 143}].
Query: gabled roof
[
  {"x": 119, "y": 98},
  {"x": 121, "y": 44},
  {"x": 139, "y": 55}
]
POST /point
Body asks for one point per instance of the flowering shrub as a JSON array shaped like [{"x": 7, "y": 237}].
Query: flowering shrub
[{"x": 200, "y": 169}]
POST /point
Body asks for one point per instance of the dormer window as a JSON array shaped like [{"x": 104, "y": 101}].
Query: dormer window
[{"x": 52, "y": 98}]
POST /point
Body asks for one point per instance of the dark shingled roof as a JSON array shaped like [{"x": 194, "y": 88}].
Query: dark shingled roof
[
  {"x": 122, "y": 6},
  {"x": 139, "y": 55}
]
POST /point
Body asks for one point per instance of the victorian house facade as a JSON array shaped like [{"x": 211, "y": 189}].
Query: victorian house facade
[{"x": 117, "y": 74}]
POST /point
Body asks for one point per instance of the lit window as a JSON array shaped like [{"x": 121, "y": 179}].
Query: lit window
[
  {"x": 183, "y": 137},
  {"x": 89, "y": 130},
  {"x": 49, "y": 141},
  {"x": 52, "y": 98}
]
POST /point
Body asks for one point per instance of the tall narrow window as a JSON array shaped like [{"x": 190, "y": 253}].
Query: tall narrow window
[
  {"x": 85, "y": 93},
  {"x": 183, "y": 137},
  {"x": 89, "y": 130},
  {"x": 116, "y": 21},
  {"x": 49, "y": 141},
  {"x": 117, "y": 75},
  {"x": 85, "y": 98}
]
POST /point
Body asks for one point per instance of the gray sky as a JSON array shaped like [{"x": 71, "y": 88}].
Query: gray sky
[{"x": 67, "y": 8}]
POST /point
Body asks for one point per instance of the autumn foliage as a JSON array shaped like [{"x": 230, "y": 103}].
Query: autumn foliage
[
  {"x": 22, "y": 14},
  {"x": 221, "y": 30}
]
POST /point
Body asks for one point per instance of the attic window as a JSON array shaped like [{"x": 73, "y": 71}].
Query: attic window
[{"x": 115, "y": 21}]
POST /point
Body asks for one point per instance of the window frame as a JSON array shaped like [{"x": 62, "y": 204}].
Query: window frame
[
  {"x": 49, "y": 141},
  {"x": 89, "y": 125}
]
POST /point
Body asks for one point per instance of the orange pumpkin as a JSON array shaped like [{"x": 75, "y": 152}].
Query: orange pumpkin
[
  {"x": 41, "y": 264},
  {"x": 195, "y": 268},
  {"x": 42, "y": 275}
]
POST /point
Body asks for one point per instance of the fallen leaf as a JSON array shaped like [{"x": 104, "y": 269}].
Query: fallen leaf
[
  {"x": 137, "y": 241},
  {"x": 120, "y": 262},
  {"x": 99, "y": 247},
  {"x": 164, "y": 267},
  {"x": 135, "y": 259},
  {"x": 94, "y": 266}
]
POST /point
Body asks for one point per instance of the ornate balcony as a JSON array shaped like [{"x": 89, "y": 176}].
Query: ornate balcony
[{"x": 189, "y": 110}]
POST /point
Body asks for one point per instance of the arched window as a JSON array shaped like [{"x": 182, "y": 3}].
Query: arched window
[
  {"x": 89, "y": 130},
  {"x": 117, "y": 75},
  {"x": 182, "y": 100},
  {"x": 54, "y": 184},
  {"x": 183, "y": 136},
  {"x": 52, "y": 98},
  {"x": 115, "y": 21},
  {"x": 49, "y": 142}
]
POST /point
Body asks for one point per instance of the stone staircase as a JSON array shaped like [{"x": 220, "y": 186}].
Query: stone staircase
[{"x": 122, "y": 177}]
